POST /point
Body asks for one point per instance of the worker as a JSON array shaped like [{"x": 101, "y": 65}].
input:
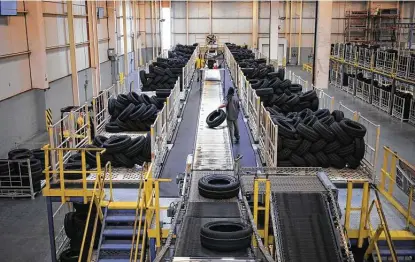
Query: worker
[
  {"x": 200, "y": 64},
  {"x": 231, "y": 103}
]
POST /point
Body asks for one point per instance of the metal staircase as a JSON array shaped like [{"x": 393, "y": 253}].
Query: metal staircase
[
  {"x": 404, "y": 249},
  {"x": 119, "y": 235}
]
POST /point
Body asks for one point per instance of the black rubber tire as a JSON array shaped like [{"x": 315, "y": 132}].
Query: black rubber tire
[
  {"x": 307, "y": 132},
  {"x": 163, "y": 93},
  {"x": 145, "y": 99},
  {"x": 324, "y": 131},
  {"x": 99, "y": 140},
  {"x": 284, "y": 154},
  {"x": 314, "y": 104},
  {"x": 296, "y": 89},
  {"x": 318, "y": 146},
  {"x": 308, "y": 96},
  {"x": 322, "y": 113},
  {"x": 126, "y": 112},
  {"x": 341, "y": 135},
  {"x": 19, "y": 151},
  {"x": 284, "y": 163},
  {"x": 138, "y": 111},
  {"x": 143, "y": 77},
  {"x": 116, "y": 144},
  {"x": 216, "y": 186},
  {"x": 323, "y": 159},
  {"x": 292, "y": 144},
  {"x": 328, "y": 120},
  {"x": 111, "y": 105},
  {"x": 285, "y": 129},
  {"x": 22, "y": 156},
  {"x": 332, "y": 147},
  {"x": 80, "y": 207},
  {"x": 285, "y": 84},
  {"x": 353, "y": 128},
  {"x": 154, "y": 100},
  {"x": 35, "y": 166},
  {"x": 346, "y": 150},
  {"x": 123, "y": 99},
  {"x": 297, "y": 160},
  {"x": 122, "y": 125},
  {"x": 352, "y": 162},
  {"x": 136, "y": 147},
  {"x": 74, "y": 166},
  {"x": 68, "y": 225},
  {"x": 311, "y": 160},
  {"x": 336, "y": 161},
  {"x": 281, "y": 73},
  {"x": 123, "y": 160},
  {"x": 264, "y": 91},
  {"x": 159, "y": 71},
  {"x": 216, "y": 118},
  {"x": 133, "y": 97},
  {"x": 225, "y": 236},
  {"x": 281, "y": 99},
  {"x": 338, "y": 115},
  {"x": 310, "y": 120},
  {"x": 69, "y": 255},
  {"x": 292, "y": 100},
  {"x": 360, "y": 148},
  {"x": 305, "y": 113},
  {"x": 303, "y": 148},
  {"x": 112, "y": 127},
  {"x": 151, "y": 111}
]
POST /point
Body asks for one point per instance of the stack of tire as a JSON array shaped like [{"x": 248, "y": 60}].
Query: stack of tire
[
  {"x": 74, "y": 226},
  {"x": 240, "y": 52},
  {"x": 162, "y": 74},
  {"x": 16, "y": 174},
  {"x": 133, "y": 112},
  {"x": 224, "y": 236},
  {"x": 407, "y": 97},
  {"x": 319, "y": 139}
]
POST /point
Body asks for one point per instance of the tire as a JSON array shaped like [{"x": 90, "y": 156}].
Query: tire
[
  {"x": 68, "y": 225},
  {"x": 272, "y": 75},
  {"x": 323, "y": 159},
  {"x": 322, "y": 113},
  {"x": 99, "y": 140},
  {"x": 122, "y": 125},
  {"x": 307, "y": 132},
  {"x": 328, "y": 120},
  {"x": 285, "y": 129},
  {"x": 281, "y": 100},
  {"x": 281, "y": 74},
  {"x": 19, "y": 151},
  {"x": 303, "y": 147},
  {"x": 284, "y": 154},
  {"x": 284, "y": 163},
  {"x": 311, "y": 160},
  {"x": 123, "y": 99},
  {"x": 216, "y": 118},
  {"x": 308, "y": 96},
  {"x": 151, "y": 110},
  {"x": 22, "y": 156},
  {"x": 309, "y": 121},
  {"x": 136, "y": 147},
  {"x": 143, "y": 77},
  {"x": 360, "y": 148},
  {"x": 111, "y": 105},
  {"x": 332, "y": 147},
  {"x": 133, "y": 97},
  {"x": 314, "y": 104},
  {"x": 159, "y": 105},
  {"x": 75, "y": 166},
  {"x": 297, "y": 160},
  {"x": 318, "y": 146},
  {"x": 353, "y": 128},
  {"x": 225, "y": 236},
  {"x": 285, "y": 84},
  {"x": 324, "y": 131},
  {"x": 126, "y": 112},
  {"x": 342, "y": 136},
  {"x": 346, "y": 150},
  {"x": 336, "y": 161},
  {"x": 292, "y": 100},
  {"x": 292, "y": 144},
  {"x": 305, "y": 113},
  {"x": 159, "y": 71},
  {"x": 352, "y": 162},
  {"x": 216, "y": 186},
  {"x": 123, "y": 160},
  {"x": 163, "y": 93},
  {"x": 116, "y": 144},
  {"x": 264, "y": 92},
  {"x": 296, "y": 88},
  {"x": 69, "y": 255},
  {"x": 338, "y": 115},
  {"x": 112, "y": 127},
  {"x": 145, "y": 99},
  {"x": 138, "y": 112}
]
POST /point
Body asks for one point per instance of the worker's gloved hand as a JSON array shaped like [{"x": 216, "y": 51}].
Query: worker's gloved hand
[{"x": 217, "y": 110}]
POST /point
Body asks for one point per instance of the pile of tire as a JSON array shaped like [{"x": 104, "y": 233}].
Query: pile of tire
[
  {"x": 16, "y": 174},
  {"x": 240, "y": 52},
  {"x": 162, "y": 74},
  {"x": 74, "y": 226},
  {"x": 319, "y": 139},
  {"x": 224, "y": 236},
  {"x": 133, "y": 112}
]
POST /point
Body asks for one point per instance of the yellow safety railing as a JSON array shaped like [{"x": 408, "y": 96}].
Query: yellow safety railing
[
  {"x": 375, "y": 235},
  {"x": 265, "y": 208},
  {"x": 138, "y": 219},
  {"x": 388, "y": 182},
  {"x": 58, "y": 175},
  {"x": 308, "y": 68},
  {"x": 361, "y": 231},
  {"x": 96, "y": 199}
]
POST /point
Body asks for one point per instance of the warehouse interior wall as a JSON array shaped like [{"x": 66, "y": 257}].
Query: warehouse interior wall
[{"x": 23, "y": 103}]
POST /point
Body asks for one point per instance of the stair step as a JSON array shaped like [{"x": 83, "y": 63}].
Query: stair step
[
  {"x": 114, "y": 245},
  {"x": 115, "y": 231},
  {"x": 121, "y": 218}
]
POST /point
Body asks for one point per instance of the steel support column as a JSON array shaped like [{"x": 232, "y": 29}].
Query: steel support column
[
  {"x": 51, "y": 229},
  {"x": 72, "y": 51},
  {"x": 143, "y": 32},
  {"x": 153, "y": 36},
  {"x": 187, "y": 22},
  {"x": 255, "y": 14},
  {"x": 37, "y": 45},
  {"x": 322, "y": 44},
  {"x": 135, "y": 34},
  {"x": 124, "y": 22},
  {"x": 93, "y": 47},
  {"x": 274, "y": 24}
]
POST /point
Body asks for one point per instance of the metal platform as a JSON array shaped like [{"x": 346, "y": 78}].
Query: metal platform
[
  {"x": 285, "y": 184},
  {"x": 213, "y": 150}
]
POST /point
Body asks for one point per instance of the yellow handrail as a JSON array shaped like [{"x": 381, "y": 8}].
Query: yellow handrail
[
  {"x": 139, "y": 210},
  {"x": 383, "y": 227}
]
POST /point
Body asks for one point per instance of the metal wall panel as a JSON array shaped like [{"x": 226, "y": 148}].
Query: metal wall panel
[
  {"x": 231, "y": 26},
  {"x": 264, "y": 9},
  {"x": 14, "y": 75},
  {"x": 231, "y": 10},
  {"x": 179, "y": 8},
  {"x": 199, "y": 26},
  {"x": 179, "y": 26},
  {"x": 199, "y": 9},
  {"x": 263, "y": 26}
]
